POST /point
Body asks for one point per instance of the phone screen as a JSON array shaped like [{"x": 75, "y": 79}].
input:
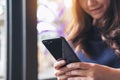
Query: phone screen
[
  {"x": 54, "y": 46},
  {"x": 60, "y": 49}
]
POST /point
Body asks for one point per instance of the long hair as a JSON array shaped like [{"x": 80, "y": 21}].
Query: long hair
[
  {"x": 82, "y": 24},
  {"x": 113, "y": 40}
]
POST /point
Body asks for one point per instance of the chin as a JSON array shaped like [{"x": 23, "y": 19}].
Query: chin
[{"x": 97, "y": 17}]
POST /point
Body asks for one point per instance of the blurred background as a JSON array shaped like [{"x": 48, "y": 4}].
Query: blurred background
[
  {"x": 52, "y": 17},
  {"x": 2, "y": 38}
]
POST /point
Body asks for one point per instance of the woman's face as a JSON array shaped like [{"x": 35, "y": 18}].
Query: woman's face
[{"x": 95, "y": 8}]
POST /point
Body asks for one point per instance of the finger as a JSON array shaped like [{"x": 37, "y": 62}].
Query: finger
[
  {"x": 80, "y": 65},
  {"x": 61, "y": 71},
  {"x": 63, "y": 77},
  {"x": 78, "y": 72},
  {"x": 78, "y": 78},
  {"x": 59, "y": 64}
]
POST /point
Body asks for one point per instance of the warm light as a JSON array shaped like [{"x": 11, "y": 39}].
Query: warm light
[
  {"x": 1, "y": 10},
  {"x": 44, "y": 14},
  {"x": 68, "y": 3},
  {"x": 42, "y": 26}
]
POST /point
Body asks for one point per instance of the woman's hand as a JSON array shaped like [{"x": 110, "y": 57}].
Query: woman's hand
[
  {"x": 60, "y": 71},
  {"x": 92, "y": 71}
]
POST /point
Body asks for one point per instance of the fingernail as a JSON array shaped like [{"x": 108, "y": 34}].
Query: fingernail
[
  {"x": 69, "y": 66},
  {"x": 62, "y": 62}
]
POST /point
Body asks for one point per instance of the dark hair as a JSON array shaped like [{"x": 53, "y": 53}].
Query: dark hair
[
  {"x": 113, "y": 40},
  {"x": 83, "y": 22}
]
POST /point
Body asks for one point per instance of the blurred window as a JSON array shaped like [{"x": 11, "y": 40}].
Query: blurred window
[
  {"x": 2, "y": 39},
  {"x": 52, "y": 18}
]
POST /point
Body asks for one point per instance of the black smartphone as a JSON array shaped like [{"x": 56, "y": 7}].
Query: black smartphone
[{"x": 60, "y": 49}]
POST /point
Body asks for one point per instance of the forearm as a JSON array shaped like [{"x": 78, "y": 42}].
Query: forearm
[{"x": 114, "y": 74}]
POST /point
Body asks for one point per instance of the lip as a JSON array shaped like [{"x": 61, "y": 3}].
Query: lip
[{"x": 95, "y": 10}]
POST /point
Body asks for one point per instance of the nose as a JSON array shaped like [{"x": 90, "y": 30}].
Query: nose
[{"x": 91, "y": 3}]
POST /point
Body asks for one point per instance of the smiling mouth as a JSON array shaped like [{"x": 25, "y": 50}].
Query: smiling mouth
[{"x": 95, "y": 10}]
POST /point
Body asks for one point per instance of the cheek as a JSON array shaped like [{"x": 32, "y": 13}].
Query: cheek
[
  {"x": 107, "y": 4},
  {"x": 85, "y": 8},
  {"x": 83, "y": 4}
]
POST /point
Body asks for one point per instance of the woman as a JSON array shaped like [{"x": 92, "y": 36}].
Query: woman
[{"x": 95, "y": 35}]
